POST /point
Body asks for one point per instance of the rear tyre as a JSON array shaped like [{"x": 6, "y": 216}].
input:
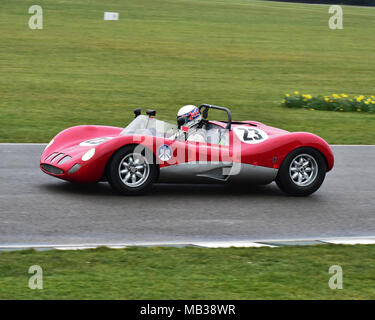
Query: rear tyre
[
  {"x": 302, "y": 172},
  {"x": 132, "y": 170}
]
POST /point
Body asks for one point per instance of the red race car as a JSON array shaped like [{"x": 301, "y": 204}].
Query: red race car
[{"x": 150, "y": 150}]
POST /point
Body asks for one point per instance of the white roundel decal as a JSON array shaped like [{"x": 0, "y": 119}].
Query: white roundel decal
[
  {"x": 94, "y": 142},
  {"x": 250, "y": 135},
  {"x": 165, "y": 152}
]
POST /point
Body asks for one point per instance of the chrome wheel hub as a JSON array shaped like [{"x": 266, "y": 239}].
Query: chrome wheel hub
[
  {"x": 134, "y": 170},
  {"x": 303, "y": 170}
]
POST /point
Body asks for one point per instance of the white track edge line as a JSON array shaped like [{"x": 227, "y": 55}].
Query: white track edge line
[{"x": 204, "y": 244}]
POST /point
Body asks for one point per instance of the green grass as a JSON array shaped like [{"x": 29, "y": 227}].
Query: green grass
[
  {"x": 163, "y": 54},
  {"x": 191, "y": 273}
]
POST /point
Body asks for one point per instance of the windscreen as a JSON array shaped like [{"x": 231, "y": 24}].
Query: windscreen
[{"x": 150, "y": 126}]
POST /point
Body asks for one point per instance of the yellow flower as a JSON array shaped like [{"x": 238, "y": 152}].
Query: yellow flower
[
  {"x": 312, "y": 109},
  {"x": 341, "y": 109},
  {"x": 360, "y": 98},
  {"x": 283, "y": 101},
  {"x": 326, "y": 99},
  {"x": 296, "y": 92},
  {"x": 367, "y": 102},
  {"x": 335, "y": 96},
  {"x": 373, "y": 102},
  {"x": 359, "y": 110},
  {"x": 344, "y": 95}
]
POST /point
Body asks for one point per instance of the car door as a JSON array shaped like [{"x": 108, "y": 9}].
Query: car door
[{"x": 198, "y": 162}]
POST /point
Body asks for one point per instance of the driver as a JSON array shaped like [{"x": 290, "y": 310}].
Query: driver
[{"x": 190, "y": 117}]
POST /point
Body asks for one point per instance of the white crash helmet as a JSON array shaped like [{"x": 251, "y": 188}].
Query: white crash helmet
[{"x": 190, "y": 114}]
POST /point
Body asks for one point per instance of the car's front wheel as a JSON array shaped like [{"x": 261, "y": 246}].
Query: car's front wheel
[
  {"x": 302, "y": 172},
  {"x": 132, "y": 170}
]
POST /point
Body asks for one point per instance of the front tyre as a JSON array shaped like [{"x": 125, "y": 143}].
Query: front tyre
[
  {"x": 302, "y": 172},
  {"x": 132, "y": 170}
]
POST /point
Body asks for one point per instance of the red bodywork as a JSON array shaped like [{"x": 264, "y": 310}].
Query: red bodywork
[{"x": 269, "y": 153}]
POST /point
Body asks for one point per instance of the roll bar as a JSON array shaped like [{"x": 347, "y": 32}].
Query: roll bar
[{"x": 210, "y": 106}]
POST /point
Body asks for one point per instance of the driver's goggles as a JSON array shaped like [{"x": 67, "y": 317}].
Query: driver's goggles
[{"x": 186, "y": 118}]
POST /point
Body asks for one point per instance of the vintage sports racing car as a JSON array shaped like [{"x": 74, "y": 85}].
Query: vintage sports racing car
[{"x": 149, "y": 151}]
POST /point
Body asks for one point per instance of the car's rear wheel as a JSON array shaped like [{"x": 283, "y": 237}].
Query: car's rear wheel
[
  {"x": 302, "y": 172},
  {"x": 132, "y": 170}
]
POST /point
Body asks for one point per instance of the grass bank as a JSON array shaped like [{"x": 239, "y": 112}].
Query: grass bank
[
  {"x": 191, "y": 273},
  {"x": 163, "y": 54}
]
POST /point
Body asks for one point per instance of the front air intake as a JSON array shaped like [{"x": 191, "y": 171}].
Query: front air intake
[
  {"x": 51, "y": 169},
  {"x": 63, "y": 160},
  {"x": 75, "y": 168},
  {"x": 51, "y": 156},
  {"x": 59, "y": 156}
]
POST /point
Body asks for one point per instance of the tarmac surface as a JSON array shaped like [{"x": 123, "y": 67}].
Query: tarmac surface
[{"x": 38, "y": 209}]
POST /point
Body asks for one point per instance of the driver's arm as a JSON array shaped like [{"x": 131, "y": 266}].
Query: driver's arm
[{"x": 196, "y": 136}]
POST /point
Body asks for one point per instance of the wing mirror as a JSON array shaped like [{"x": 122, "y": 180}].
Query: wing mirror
[
  {"x": 137, "y": 112},
  {"x": 151, "y": 113}
]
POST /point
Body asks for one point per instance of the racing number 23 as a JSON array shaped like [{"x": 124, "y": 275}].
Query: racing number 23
[{"x": 250, "y": 135}]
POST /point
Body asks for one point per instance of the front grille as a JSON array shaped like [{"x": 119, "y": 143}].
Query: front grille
[{"x": 52, "y": 169}]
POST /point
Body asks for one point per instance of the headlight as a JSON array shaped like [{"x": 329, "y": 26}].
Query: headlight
[{"x": 88, "y": 155}]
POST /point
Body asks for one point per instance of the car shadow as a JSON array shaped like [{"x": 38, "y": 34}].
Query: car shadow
[
  {"x": 160, "y": 190},
  {"x": 64, "y": 187},
  {"x": 202, "y": 190}
]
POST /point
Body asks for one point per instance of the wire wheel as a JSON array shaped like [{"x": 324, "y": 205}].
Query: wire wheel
[{"x": 303, "y": 170}]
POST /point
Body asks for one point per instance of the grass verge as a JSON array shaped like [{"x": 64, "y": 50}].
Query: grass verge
[
  {"x": 163, "y": 54},
  {"x": 191, "y": 273}
]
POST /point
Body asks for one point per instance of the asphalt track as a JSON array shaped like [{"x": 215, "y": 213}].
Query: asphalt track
[{"x": 38, "y": 209}]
